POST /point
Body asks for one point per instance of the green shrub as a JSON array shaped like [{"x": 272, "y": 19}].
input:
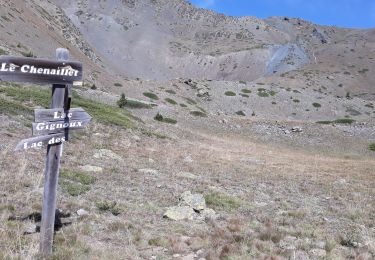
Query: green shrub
[
  {"x": 122, "y": 101},
  {"x": 324, "y": 122},
  {"x": 337, "y": 121},
  {"x": 190, "y": 101},
  {"x": 317, "y": 105},
  {"x": 117, "y": 84},
  {"x": 161, "y": 118},
  {"x": 296, "y": 100},
  {"x": 171, "y": 101},
  {"x": 170, "y": 91},
  {"x": 372, "y": 147},
  {"x": 240, "y": 113},
  {"x": 344, "y": 121},
  {"x": 263, "y": 94},
  {"x": 230, "y": 93},
  {"x": 169, "y": 120},
  {"x": 272, "y": 93},
  {"x": 198, "y": 113},
  {"x": 244, "y": 95},
  {"x": 151, "y": 95},
  {"x": 245, "y": 90},
  {"x": 137, "y": 104},
  {"x": 183, "y": 105},
  {"x": 222, "y": 201}
]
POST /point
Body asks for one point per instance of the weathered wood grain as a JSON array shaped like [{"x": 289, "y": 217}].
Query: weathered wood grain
[
  {"x": 54, "y": 127},
  {"x": 51, "y": 174},
  {"x": 57, "y": 114},
  {"x": 21, "y": 69},
  {"x": 40, "y": 141}
]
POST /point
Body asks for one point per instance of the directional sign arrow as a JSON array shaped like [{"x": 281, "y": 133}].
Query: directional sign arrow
[
  {"x": 58, "y": 126},
  {"x": 37, "y": 142},
  {"x": 58, "y": 114},
  {"x": 21, "y": 69}
]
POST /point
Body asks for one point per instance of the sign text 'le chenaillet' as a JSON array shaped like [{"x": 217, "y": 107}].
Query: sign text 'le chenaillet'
[{"x": 20, "y": 69}]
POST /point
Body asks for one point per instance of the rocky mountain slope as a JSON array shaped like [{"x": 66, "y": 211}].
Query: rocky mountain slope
[{"x": 269, "y": 123}]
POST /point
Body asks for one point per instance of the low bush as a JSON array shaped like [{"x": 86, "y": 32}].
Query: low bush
[
  {"x": 171, "y": 101},
  {"x": 151, "y": 95},
  {"x": 317, "y": 105},
  {"x": 161, "y": 118},
  {"x": 230, "y": 93},
  {"x": 198, "y": 113},
  {"x": 170, "y": 91},
  {"x": 246, "y": 91}
]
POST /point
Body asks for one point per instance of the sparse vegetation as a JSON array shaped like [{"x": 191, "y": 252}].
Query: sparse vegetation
[
  {"x": 190, "y": 101},
  {"x": 316, "y": 105},
  {"x": 36, "y": 96},
  {"x": 75, "y": 183},
  {"x": 117, "y": 84},
  {"x": 170, "y": 91},
  {"x": 110, "y": 206},
  {"x": 171, "y": 101},
  {"x": 222, "y": 201},
  {"x": 246, "y": 91},
  {"x": 240, "y": 113},
  {"x": 337, "y": 121},
  {"x": 161, "y": 118},
  {"x": 230, "y": 93},
  {"x": 151, "y": 95},
  {"x": 134, "y": 104},
  {"x": 198, "y": 113},
  {"x": 263, "y": 94}
]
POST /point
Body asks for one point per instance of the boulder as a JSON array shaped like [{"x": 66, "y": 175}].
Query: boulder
[
  {"x": 195, "y": 201},
  {"x": 180, "y": 213}
]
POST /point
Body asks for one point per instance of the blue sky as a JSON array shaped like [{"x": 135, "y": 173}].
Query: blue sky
[{"x": 343, "y": 13}]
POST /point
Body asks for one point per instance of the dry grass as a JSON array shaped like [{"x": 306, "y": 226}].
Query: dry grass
[{"x": 303, "y": 198}]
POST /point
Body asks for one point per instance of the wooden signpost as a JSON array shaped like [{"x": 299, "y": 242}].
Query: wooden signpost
[{"x": 52, "y": 126}]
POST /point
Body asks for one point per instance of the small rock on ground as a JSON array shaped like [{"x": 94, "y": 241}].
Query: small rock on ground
[
  {"x": 91, "y": 168},
  {"x": 107, "y": 154}
]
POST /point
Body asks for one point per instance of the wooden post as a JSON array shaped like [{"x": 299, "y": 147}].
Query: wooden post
[{"x": 59, "y": 100}]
